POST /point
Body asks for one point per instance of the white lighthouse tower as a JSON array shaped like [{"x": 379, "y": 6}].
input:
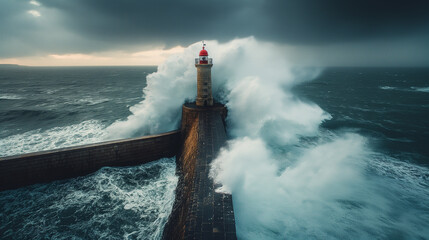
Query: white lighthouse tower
[{"x": 204, "y": 78}]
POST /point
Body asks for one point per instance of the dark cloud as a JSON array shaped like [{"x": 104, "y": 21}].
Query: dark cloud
[
  {"x": 302, "y": 21},
  {"x": 312, "y": 21},
  {"x": 93, "y": 25},
  {"x": 157, "y": 20}
]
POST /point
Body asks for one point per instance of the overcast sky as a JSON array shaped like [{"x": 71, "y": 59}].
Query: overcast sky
[{"x": 130, "y": 32}]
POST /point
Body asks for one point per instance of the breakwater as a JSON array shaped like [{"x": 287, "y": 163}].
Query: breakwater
[
  {"x": 21, "y": 170},
  {"x": 200, "y": 212}
]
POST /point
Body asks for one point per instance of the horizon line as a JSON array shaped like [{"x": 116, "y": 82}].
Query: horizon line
[{"x": 326, "y": 66}]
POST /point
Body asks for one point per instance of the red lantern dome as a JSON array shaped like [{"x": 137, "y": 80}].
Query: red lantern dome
[{"x": 204, "y": 52}]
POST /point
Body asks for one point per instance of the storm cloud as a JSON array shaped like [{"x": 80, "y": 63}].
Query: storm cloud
[{"x": 99, "y": 25}]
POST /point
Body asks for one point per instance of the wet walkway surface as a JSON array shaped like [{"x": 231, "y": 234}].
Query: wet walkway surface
[{"x": 211, "y": 213}]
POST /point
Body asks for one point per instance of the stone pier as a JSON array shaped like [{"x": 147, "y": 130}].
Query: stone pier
[
  {"x": 199, "y": 212},
  {"x": 39, "y": 167}
]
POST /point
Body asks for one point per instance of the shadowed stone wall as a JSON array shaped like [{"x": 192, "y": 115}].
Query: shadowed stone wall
[{"x": 26, "y": 169}]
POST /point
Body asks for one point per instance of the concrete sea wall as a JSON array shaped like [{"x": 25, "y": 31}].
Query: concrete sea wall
[{"x": 26, "y": 169}]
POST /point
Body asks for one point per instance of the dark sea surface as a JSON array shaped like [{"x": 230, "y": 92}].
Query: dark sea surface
[
  {"x": 39, "y": 106},
  {"x": 44, "y": 108},
  {"x": 45, "y": 97},
  {"x": 390, "y": 106}
]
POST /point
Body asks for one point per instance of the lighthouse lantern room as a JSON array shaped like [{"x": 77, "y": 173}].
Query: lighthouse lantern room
[{"x": 204, "y": 79}]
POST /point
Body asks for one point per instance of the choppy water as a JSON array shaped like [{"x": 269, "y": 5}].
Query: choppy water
[
  {"x": 113, "y": 203},
  {"x": 343, "y": 156},
  {"x": 45, "y": 108},
  {"x": 387, "y": 105}
]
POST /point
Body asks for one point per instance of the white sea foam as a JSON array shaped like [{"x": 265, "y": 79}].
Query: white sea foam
[
  {"x": 9, "y": 96},
  {"x": 421, "y": 89},
  {"x": 418, "y": 89},
  {"x": 305, "y": 200},
  {"x": 387, "y": 88},
  {"x": 90, "y": 131},
  {"x": 113, "y": 203},
  {"x": 92, "y": 101}
]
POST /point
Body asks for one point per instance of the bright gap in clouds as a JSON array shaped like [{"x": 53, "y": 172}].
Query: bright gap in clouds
[{"x": 114, "y": 58}]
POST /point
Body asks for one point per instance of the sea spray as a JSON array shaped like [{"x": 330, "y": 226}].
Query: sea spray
[
  {"x": 302, "y": 201},
  {"x": 236, "y": 63}
]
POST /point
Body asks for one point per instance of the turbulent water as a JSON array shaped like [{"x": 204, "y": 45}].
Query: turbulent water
[
  {"x": 44, "y": 108},
  {"x": 113, "y": 203},
  {"x": 336, "y": 153}
]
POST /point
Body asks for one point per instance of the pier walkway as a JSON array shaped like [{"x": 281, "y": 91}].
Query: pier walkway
[{"x": 199, "y": 211}]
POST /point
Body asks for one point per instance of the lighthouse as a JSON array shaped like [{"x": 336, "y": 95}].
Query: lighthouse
[{"x": 204, "y": 79}]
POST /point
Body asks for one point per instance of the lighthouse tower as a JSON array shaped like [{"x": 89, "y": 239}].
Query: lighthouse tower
[{"x": 204, "y": 79}]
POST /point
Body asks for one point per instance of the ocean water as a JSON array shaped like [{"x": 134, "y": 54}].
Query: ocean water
[
  {"x": 113, "y": 203},
  {"x": 42, "y": 105},
  {"x": 389, "y": 106},
  {"x": 335, "y": 153}
]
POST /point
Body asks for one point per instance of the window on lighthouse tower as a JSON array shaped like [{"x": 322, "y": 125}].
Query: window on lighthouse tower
[{"x": 203, "y": 59}]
